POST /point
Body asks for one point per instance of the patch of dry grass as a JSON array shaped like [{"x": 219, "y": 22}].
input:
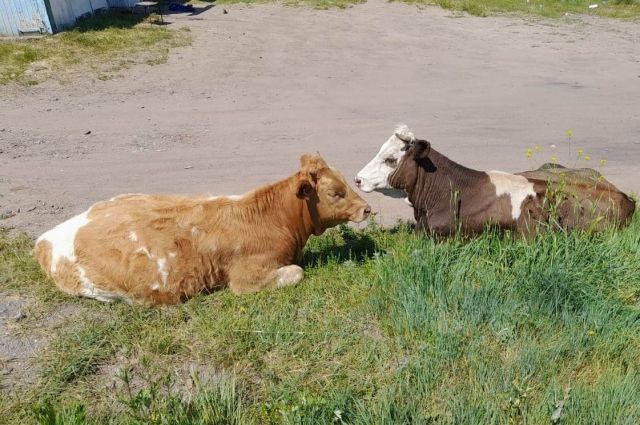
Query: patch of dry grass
[{"x": 103, "y": 42}]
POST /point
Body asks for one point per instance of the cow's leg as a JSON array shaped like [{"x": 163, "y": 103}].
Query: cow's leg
[
  {"x": 289, "y": 275},
  {"x": 251, "y": 275}
]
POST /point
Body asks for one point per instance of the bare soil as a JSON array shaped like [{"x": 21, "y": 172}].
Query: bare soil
[{"x": 263, "y": 84}]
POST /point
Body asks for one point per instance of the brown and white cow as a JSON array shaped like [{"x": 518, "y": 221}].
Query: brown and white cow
[
  {"x": 164, "y": 249},
  {"x": 447, "y": 196}
]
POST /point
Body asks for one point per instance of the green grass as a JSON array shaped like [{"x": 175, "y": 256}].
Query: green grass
[
  {"x": 386, "y": 328},
  {"x": 624, "y": 9},
  {"x": 104, "y": 42}
]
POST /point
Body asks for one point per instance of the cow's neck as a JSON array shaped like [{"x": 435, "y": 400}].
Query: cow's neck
[
  {"x": 445, "y": 182},
  {"x": 277, "y": 208}
]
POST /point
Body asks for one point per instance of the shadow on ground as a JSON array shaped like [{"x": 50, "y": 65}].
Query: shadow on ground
[
  {"x": 111, "y": 19},
  {"x": 343, "y": 244},
  {"x": 181, "y": 7}
]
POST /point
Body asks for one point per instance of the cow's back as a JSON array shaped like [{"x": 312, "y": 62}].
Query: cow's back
[
  {"x": 581, "y": 197},
  {"x": 131, "y": 247}
]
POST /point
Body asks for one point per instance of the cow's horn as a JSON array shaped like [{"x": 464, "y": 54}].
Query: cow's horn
[{"x": 405, "y": 138}]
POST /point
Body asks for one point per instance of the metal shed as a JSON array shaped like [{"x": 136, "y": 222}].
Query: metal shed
[{"x": 20, "y": 17}]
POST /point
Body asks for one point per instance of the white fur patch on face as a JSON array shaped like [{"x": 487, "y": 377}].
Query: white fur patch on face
[
  {"x": 516, "y": 187},
  {"x": 62, "y": 238},
  {"x": 375, "y": 175},
  {"x": 289, "y": 275},
  {"x": 133, "y": 237}
]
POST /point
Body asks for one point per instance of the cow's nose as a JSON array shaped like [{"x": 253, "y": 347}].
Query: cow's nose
[{"x": 358, "y": 181}]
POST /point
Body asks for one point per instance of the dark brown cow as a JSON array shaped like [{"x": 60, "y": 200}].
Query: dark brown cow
[{"x": 447, "y": 196}]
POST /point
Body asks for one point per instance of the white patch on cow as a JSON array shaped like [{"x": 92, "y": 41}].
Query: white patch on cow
[
  {"x": 375, "y": 175},
  {"x": 231, "y": 197},
  {"x": 89, "y": 290},
  {"x": 124, "y": 195},
  {"x": 195, "y": 231},
  {"x": 289, "y": 275},
  {"x": 155, "y": 286},
  {"x": 133, "y": 236},
  {"x": 173, "y": 254},
  {"x": 143, "y": 250},
  {"x": 162, "y": 270},
  {"x": 517, "y": 187},
  {"x": 62, "y": 238}
]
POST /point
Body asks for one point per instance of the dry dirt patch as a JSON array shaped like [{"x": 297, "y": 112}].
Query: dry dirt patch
[{"x": 263, "y": 84}]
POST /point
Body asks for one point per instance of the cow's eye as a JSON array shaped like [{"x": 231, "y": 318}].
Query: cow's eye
[
  {"x": 391, "y": 162},
  {"x": 336, "y": 195}
]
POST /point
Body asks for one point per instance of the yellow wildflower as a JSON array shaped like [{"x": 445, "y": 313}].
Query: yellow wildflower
[
  {"x": 569, "y": 133},
  {"x": 603, "y": 162},
  {"x": 587, "y": 158},
  {"x": 580, "y": 151},
  {"x": 554, "y": 158},
  {"x": 529, "y": 153}
]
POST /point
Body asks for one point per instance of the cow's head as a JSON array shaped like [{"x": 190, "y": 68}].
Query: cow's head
[
  {"x": 330, "y": 199},
  {"x": 405, "y": 176},
  {"x": 375, "y": 175}
]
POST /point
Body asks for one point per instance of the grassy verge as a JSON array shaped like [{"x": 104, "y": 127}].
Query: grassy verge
[
  {"x": 105, "y": 43},
  {"x": 386, "y": 328}
]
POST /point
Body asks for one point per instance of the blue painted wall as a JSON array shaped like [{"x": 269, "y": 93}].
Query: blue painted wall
[
  {"x": 66, "y": 12},
  {"x": 23, "y": 17}
]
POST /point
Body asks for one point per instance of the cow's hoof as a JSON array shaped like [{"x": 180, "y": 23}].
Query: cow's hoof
[{"x": 289, "y": 275}]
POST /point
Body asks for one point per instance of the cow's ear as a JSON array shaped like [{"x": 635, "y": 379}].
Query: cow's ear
[
  {"x": 421, "y": 149},
  {"x": 312, "y": 164},
  {"x": 306, "y": 186}
]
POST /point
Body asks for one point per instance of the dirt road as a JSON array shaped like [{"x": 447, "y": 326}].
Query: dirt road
[{"x": 262, "y": 85}]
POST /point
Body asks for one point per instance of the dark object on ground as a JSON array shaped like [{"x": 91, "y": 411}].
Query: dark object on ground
[{"x": 177, "y": 7}]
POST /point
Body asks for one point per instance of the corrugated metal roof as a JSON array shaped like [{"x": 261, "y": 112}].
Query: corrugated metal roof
[{"x": 23, "y": 16}]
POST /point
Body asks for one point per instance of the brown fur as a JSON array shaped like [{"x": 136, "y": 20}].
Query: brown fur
[
  {"x": 448, "y": 197},
  {"x": 206, "y": 243}
]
